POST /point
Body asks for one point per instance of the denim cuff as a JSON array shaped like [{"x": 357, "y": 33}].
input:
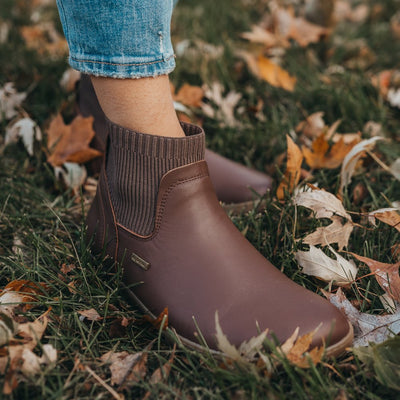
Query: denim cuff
[
  {"x": 120, "y": 39},
  {"x": 125, "y": 69}
]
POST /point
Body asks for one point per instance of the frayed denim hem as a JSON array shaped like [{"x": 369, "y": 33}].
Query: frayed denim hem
[{"x": 124, "y": 70}]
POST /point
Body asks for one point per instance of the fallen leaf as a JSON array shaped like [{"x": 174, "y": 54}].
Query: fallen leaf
[
  {"x": 123, "y": 366},
  {"x": 226, "y": 105},
  {"x": 32, "y": 363},
  {"x": 263, "y": 36},
  {"x": 352, "y": 158},
  {"x": 293, "y": 168},
  {"x": 246, "y": 351},
  {"x": 384, "y": 359},
  {"x": 19, "y": 293},
  {"x": 27, "y": 130},
  {"x": 367, "y": 327},
  {"x": 393, "y": 97},
  {"x": 288, "y": 26},
  {"x": 296, "y": 350},
  {"x": 45, "y": 39},
  {"x": 91, "y": 314},
  {"x": 336, "y": 232},
  {"x": 8, "y": 328},
  {"x": 69, "y": 79},
  {"x": 70, "y": 143},
  {"x": 73, "y": 175},
  {"x": 387, "y": 275},
  {"x": 10, "y": 101},
  {"x": 388, "y": 303},
  {"x": 312, "y": 126},
  {"x": 161, "y": 322},
  {"x": 161, "y": 374},
  {"x": 345, "y": 12},
  {"x": 67, "y": 268},
  {"x": 326, "y": 205},
  {"x": 190, "y": 95},
  {"x": 274, "y": 74},
  {"x": 322, "y": 155},
  {"x": 316, "y": 263},
  {"x": 390, "y": 217}
]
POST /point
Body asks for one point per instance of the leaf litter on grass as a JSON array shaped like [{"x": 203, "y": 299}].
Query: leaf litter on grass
[{"x": 316, "y": 156}]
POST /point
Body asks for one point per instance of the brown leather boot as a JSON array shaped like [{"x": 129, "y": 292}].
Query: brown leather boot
[
  {"x": 235, "y": 184},
  {"x": 195, "y": 262}
]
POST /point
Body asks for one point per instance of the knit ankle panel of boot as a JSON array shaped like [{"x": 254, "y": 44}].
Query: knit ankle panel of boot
[{"x": 136, "y": 162}]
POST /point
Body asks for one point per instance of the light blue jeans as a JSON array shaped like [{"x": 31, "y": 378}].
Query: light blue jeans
[{"x": 119, "y": 38}]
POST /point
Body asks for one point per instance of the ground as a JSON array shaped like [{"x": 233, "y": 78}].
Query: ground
[{"x": 247, "y": 116}]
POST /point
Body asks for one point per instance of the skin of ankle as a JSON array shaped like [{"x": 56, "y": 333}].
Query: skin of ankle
[{"x": 143, "y": 105}]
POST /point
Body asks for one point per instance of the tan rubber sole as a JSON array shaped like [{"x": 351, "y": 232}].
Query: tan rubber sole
[{"x": 331, "y": 351}]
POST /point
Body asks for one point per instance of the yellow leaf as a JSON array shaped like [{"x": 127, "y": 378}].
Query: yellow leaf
[
  {"x": 321, "y": 155},
  {"x": 293, "y": 167},
  {"x": 274, "y": 74}
]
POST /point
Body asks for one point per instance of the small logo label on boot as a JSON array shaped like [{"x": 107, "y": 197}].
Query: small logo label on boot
[{"x": 139, "y": 261}]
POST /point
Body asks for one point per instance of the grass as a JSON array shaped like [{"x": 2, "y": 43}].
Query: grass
[{"x": 47, "y": 220}]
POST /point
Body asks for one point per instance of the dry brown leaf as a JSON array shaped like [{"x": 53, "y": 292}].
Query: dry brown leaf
[
  {"x": 124, "y": 366},
  {"x": 312, "y": 126},
  {"x": 190, "y": 95},
  {"x": 19, "y": 292},
  {"x": 70, "y": 142},
  {"x": 45, "y": 39},
  {"x": 391, "y": 218},
  {"x": 387, "y": 275},
  {"x": 293, "y": 168},
  {"x": 259, "y": 34},
  {"x": 69, "y": 79},
  {"x": 345, "y": 12},
  {"x": 367, "y": 327},
  {"x": 274, "y": 74},
  {"x": 10, "y": 101},
  {"x": 382, "y": 81},
  {"x": 161, "y": 374},
  {"x": 336, "y": 232},
  {"x": 316, "y": 263},
  {"x": 288, "y": 26},
  {"x": 91, "y": 314},
  {"x": 322, "y": 155},
  {"x": 296, "y": 350},
  {"x": 161, "y": 320},
  {"x": 353, "y": 156},
  {"x": 304, "y": 32},
  {"x": 67, "y": 268},
  {"x": 326, "y": 205}
]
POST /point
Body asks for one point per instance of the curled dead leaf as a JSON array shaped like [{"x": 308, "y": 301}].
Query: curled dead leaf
[
  {"x": 387, "y": 275},
  {"x": 161, "y": 322},
  {"x": 293, "y": 169},
  {"x": 91, "y": 315},
  {"x": 316, "y": 263}
]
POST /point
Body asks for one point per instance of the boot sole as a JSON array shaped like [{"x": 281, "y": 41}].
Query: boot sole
[{"x": 331, "y": 351}]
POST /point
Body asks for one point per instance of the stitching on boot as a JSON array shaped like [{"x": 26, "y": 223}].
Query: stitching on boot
[
  {"x": 160, "y": 214},
  {"x": 113, "y": 213}
]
